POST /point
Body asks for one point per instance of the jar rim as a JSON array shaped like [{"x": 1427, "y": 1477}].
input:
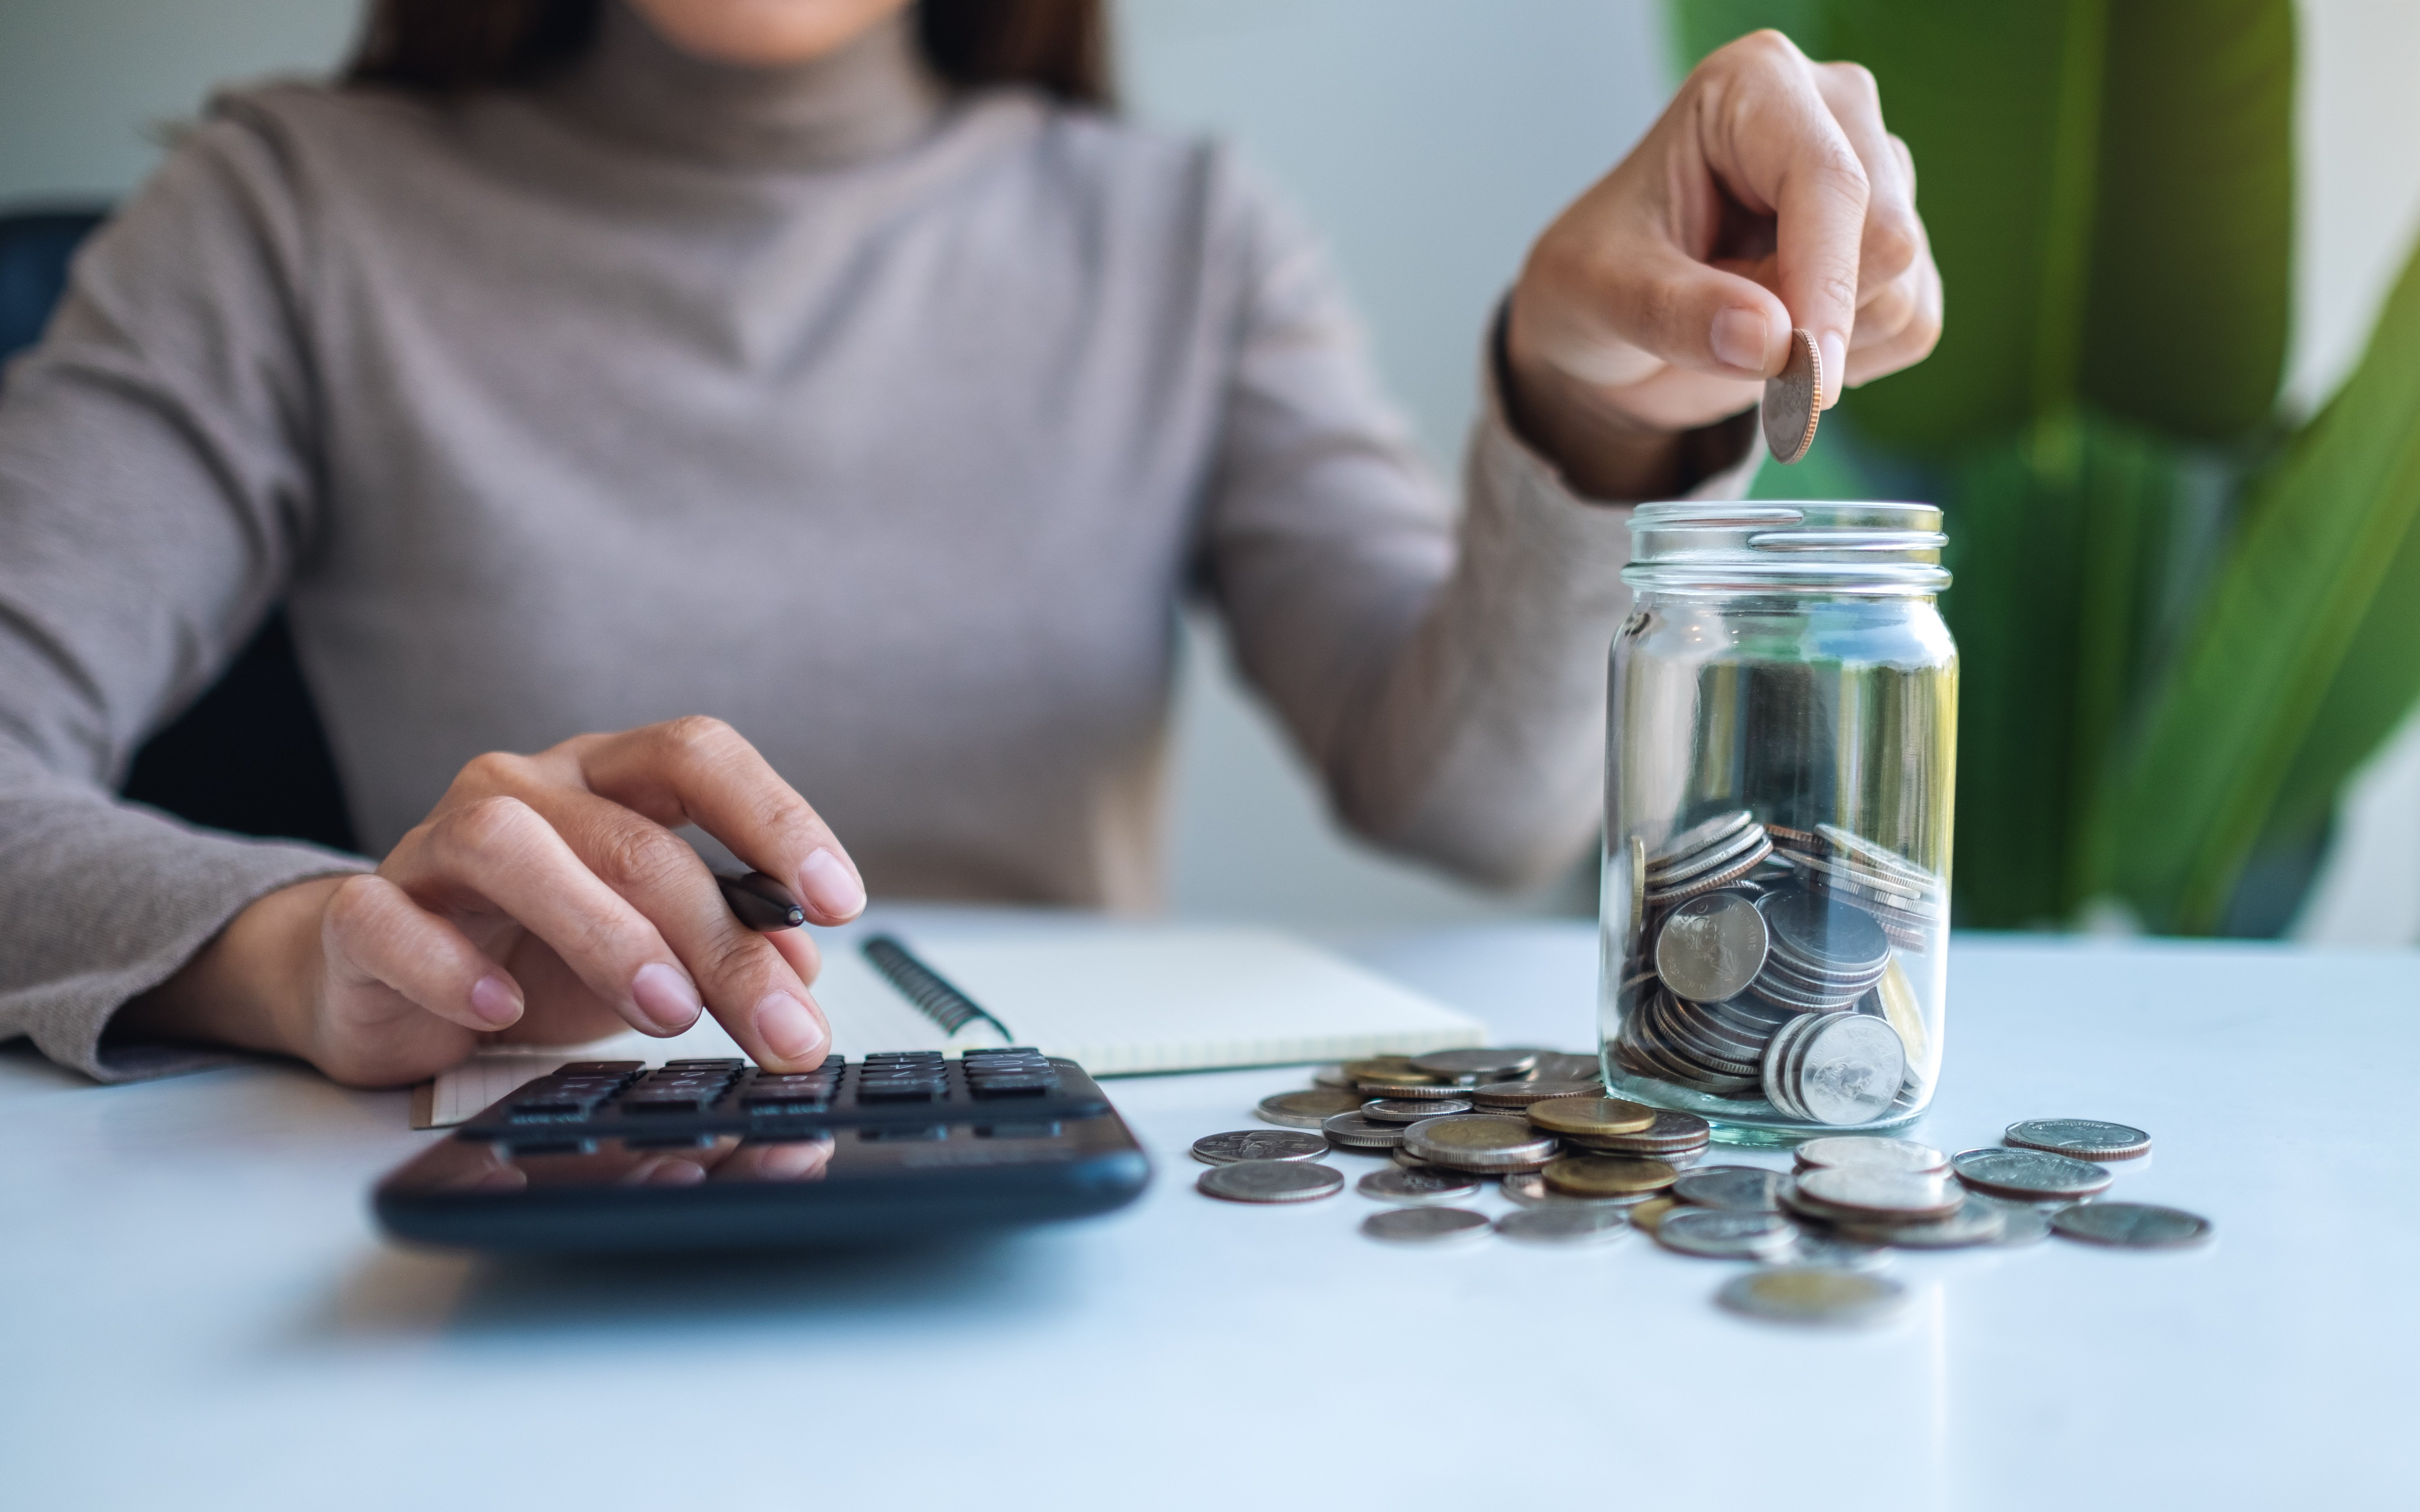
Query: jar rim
[{"x": 1860, "y": 547}]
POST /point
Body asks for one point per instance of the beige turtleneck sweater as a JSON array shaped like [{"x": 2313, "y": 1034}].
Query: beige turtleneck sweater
[{"x": 891, "y": 428}]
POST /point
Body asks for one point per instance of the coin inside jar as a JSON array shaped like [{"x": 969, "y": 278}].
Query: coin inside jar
[
  {"x": 1593, "y": 1115},
  {"x": 1711, "y": 946},
  {"x": 1607, "y": 1176}
]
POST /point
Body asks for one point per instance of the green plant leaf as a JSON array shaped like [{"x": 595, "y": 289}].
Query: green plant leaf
[
  {"x": 2193, "y": 237},
  {"x": 2305, "y": 656}
]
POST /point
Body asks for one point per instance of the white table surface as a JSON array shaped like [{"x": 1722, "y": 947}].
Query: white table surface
[{"x": 199, "y": 1313}]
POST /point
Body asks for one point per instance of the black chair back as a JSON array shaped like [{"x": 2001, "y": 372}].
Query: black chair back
[{"x": 251, "y": 755}]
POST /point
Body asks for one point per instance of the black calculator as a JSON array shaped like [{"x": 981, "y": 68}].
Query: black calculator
[{"x": 608, "y": 1156}]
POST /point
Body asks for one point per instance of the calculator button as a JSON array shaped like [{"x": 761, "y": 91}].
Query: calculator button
[
  {"x": 704, "y": 1065},
  {"x": 620, "y": 1071}
]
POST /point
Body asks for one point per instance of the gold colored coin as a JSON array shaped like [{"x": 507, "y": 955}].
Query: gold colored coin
[
  {"x": 1477, "y": 1131},
  {"x": 1607, "y": 1176},
  {"x": 1649, "y": 1214},
  {"x": 1900, "y": 1006},
  {"x": 1793, "y": 402},
  {"x": 1308, "y": 1109},
  {"x": 1592, "y": 1116},
  {"x": 1382, "y": 1068}
]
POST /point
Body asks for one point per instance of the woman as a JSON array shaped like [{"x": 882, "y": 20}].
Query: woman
[{"x": 842, "y": 371}]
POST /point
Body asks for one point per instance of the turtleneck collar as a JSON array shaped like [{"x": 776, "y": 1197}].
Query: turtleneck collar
[{"x": 873, "y": 97}]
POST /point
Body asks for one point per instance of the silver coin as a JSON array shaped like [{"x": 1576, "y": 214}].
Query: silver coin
[
  {"x": 1726, "y": 1236},
  {"x": 1410, "y": 1109},
  {"x": 1403, "y": 1158},
  {"x": 1873, "y": 1152},
  {"x": 1414, "y": 1184},
  {"x": 1671, "y": 1131},
  {"x": 1849, "y": 1070},
  {"x": 1306, "y": 1110},
  {"x": 1722, "y": 877},
  {"x": 1869, "y": 1196},
  {"x": 1813, "y": 1294},
  {"x": 1425, "y": 1226},
  {"x": 2130, "y": 1224},
  {"x": 1479, "y": 1142},
  {"x": 1271, "y": 1181},
  {"x": 1698, "y": 836},
  {"x": 1713, "y": 857},
  {"x": 1353, "y": 1131},
  {"x": 1521, "y": 1094},
  {"x": 1332, "y": 1076},
  {"x": 2080, "y": 1138},
  {"x": 1730, "y": 1188},
  {"x": 1977, "y": 1221},
  {"x": 1258, "y": 1144},
  {"x": 2036, "y": 1174},
  {"x": 1561, "y": 1066},
  {"x": 1486, "y": 1065},
  {"x": 1574, "y": 1225}
]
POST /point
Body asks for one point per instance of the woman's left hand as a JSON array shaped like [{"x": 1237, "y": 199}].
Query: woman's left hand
[{"x": 1768, "y": 196}]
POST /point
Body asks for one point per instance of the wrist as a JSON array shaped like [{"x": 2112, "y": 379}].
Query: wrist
[
  {"x": 1601, "y": 451},
  {"x": 252, "y": 987}
]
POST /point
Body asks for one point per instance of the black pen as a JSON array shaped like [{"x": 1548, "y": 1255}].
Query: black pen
[{"x": 759, "y": 901}]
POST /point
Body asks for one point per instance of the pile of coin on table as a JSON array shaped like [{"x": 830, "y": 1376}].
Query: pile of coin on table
[{"x": 1583, "y": 1167}]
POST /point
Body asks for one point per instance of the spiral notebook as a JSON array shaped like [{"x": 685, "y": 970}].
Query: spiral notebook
[{"x": 1119, "y": 1002}]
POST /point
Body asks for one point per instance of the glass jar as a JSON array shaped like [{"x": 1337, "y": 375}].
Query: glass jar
[{"x": 1782, "y": 749}]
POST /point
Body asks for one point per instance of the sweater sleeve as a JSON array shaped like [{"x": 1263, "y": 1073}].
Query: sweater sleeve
[
  {"x": 1443, "y": 668},
  {"x": 156, "y": 488}
]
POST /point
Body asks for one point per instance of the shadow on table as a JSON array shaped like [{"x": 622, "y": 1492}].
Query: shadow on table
[{"x": 397, "y": 1293}]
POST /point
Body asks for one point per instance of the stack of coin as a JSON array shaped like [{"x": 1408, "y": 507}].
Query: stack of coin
[
  {"x": 1713, "y": 853},
  {"x": 1837, "y": 1069},
  {"x": 1826, "y": 953},
  {"x": 1905, "y": 898}
]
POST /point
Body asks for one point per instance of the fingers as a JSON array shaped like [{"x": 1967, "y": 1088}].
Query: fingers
[
  {"x": 749, "y": 983},
  {"x": 500, "y": 854},
  {"x": 375, "y": 935},
  {"x": 1893, "y": 237},
  {"x": 701, "y": 771},
  {"x": 1771, "y": 138},
  {"x": 1913, "y": 341}
]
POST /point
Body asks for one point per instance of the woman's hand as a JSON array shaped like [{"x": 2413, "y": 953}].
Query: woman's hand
[
  {"x": 1767, "y": 197},
  {"x": 545, "y": 897}
]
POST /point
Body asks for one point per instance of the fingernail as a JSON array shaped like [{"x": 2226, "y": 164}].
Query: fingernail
[
  {"x": 666, "y": 996},
  {"x": 1836, "y": 367},
  {"x": 1739, "y": 338},
  {"x": 494, "y": 999},
  {"x": 830, "y": 884},
  {"x": 788, "y": 1027}
]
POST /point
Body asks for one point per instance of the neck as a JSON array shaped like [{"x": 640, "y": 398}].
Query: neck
[{"x": 869, "y": 98}]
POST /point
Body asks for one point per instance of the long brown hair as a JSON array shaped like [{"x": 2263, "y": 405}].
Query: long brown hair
[{"x": 1060, "y": 46}]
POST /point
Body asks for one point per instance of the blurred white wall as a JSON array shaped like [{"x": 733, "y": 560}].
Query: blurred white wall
[{"x": 1429, "y": 138}]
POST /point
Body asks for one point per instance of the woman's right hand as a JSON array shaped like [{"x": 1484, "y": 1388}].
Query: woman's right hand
[{"x": 544, "y": 898}]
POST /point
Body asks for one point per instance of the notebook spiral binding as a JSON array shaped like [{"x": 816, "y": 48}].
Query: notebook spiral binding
[{"x": 932, "y": 992}]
